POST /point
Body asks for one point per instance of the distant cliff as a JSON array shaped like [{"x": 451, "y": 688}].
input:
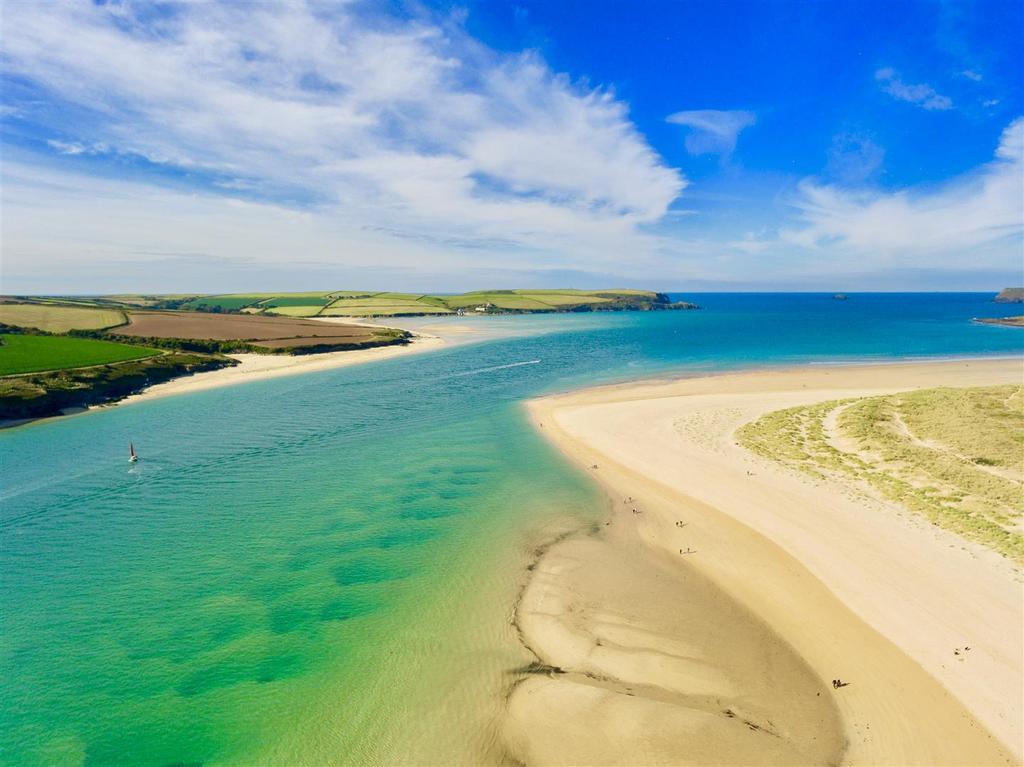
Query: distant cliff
[{"x": 1010, "y": 296}]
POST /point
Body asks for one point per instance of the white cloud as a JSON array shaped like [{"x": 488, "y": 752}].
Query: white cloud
[
  {"x": 970, "y": 74},
  {"x": 854, "y": 158},
  {"x": 408, "y": 129},
  {"x": 982, "y": 210},
  {"x": 65, "y": 147},
  {"x": 921, "y": 94},
  {"x": 712, "y": 131}
]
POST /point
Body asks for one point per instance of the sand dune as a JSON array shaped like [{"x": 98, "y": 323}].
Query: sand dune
[{"x": 651, "y": 617}]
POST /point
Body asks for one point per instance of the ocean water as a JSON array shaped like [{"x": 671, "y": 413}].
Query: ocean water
[{"x": 320, "y": 569}]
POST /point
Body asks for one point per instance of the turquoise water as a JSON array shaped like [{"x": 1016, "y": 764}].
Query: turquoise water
[{"x": 318, "y": 569}]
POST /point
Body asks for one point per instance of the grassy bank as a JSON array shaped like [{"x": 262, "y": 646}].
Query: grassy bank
[
  {"x": 955, "y": 456},
  {"x": 36, "y": 353},
  {"x": 37, "y": 395}
]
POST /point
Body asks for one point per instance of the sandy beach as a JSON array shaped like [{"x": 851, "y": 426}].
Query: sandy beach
[
  {"x": 260, "y": 367},
  {"x": 704, "y": 621}
]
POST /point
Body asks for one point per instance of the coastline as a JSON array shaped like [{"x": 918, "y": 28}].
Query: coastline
[
  {"x": 845, "y": 585},
  {"x": 255, "y": 367},
  {"x": 261, "y": 367}
]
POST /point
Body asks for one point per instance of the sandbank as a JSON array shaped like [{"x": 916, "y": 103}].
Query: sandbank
[
  {"x": 704, "y": 621},
  {"x": 260, "y": 367}
]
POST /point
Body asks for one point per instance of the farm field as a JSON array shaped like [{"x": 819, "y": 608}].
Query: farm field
[
  {"x": 382, "y": 310},
  {"x": 31, "y": 354},
  {"x": 297, "y": 299},
  {"x": 341, "y": 303},
  {"x": 299, "y": 310},
  {"x": 387, "y": 303},
  {"x": 259, "y": 301},
  {"x": 502, "y": 301},
  {"x": 224, "y": 303},
  {"x": 54, "y": 318},
  {"x": 256, "y": 330},
  {"x": 955, "y": 456}
]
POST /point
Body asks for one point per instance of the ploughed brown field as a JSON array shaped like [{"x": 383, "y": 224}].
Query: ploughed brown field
[{"x": 271, "y": 332}]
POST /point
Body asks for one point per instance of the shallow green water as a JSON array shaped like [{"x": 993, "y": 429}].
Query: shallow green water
[{"x": 320, "y": 569}]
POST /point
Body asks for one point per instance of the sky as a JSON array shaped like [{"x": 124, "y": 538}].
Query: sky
[{"x": 449, "y": 146}]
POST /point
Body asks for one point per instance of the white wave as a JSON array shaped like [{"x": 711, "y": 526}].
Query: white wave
[{"x": 496, "y": 367}]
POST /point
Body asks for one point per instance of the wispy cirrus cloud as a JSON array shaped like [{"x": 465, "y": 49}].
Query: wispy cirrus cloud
[
  {"x": 66, "y": 147},
  {"x": 925, "y": 226},
  {"x": 713, "y": 131},
  {"x": 377, "y": 124},
  {"x": 921, "y": 94}
]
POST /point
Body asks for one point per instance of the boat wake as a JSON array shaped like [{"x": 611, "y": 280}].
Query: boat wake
[{"x": 495, "y": 367}]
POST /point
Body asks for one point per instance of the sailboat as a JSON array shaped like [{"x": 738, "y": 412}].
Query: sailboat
[{"x": 132, "y": 458}]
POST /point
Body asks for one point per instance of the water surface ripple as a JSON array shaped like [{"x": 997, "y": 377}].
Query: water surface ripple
[{"x": 318, "y": 569}]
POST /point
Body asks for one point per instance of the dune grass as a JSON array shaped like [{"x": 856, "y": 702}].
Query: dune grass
[{"x": 955, "y": 456}]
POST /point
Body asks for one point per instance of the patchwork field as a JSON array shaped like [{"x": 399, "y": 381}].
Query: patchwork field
[
  {"x": 390, "y": 304},
  {"x": 255, "y": 330},
  {"x": 955, "y": 456},
  {"x": 55, "y": 318},
  {"x": 381, "y": 310},
  {"x": 356, "y": 303},
  {"x": 30, "y": 354}
]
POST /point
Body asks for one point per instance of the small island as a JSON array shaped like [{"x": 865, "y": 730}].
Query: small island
[{"x": 1010, "y": 296}]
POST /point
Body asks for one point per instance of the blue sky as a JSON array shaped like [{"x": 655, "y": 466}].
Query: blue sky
[{"x": 450, "y": 146}]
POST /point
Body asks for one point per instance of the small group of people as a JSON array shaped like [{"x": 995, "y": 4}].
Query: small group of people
[{"x": 837, "y": 683}]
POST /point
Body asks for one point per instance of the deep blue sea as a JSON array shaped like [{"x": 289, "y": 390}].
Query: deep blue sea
[{"x": 318, "y": 569}]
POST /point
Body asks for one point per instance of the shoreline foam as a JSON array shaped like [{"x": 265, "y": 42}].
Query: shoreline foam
[{"x": 856, "y": 591}]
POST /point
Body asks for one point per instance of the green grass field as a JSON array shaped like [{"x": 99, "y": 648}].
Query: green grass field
[
  {"x": 384, "y": 304},
  {"x": 290, "y": 311},
  {"x": 59, "y": 319},
  {"x": 566, "y": 292},
  {"x": 225, "y": 303},
  {"x": 31, "y": 354},
  {"x": 375, "y": 303},
  {"x": 297, "y": 299},
  {"x": 500, "y": 301},
  {"x": 382, "y": 310},
  {"x": 955, "y": 456}
]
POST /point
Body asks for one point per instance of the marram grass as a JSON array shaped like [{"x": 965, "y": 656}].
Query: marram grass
[{"x": 955, "y": 456}]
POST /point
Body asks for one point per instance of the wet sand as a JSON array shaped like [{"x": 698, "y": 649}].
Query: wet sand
[{"x": 706, "y": 627}]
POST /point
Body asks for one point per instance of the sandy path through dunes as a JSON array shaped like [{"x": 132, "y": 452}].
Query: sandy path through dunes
[{"x": 857, "y": 588}]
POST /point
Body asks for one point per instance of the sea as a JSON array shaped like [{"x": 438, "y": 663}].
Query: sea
[{"x": 322, "y": 568}]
